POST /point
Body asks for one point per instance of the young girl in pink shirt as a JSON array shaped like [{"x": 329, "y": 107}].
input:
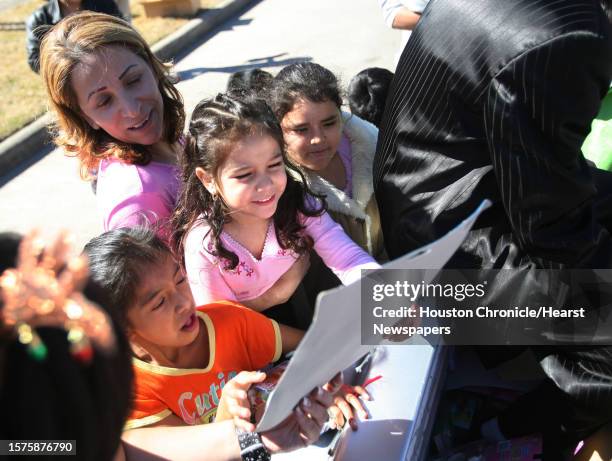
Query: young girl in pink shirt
[{"x": 246, "y": 219}]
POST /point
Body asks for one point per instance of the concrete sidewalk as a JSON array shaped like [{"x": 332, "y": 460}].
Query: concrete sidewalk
[
  {"x": 24, "y": 145},
  {"x": 6, "y": 4}
]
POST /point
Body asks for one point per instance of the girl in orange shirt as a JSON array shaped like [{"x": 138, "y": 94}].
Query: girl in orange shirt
[{"x": 185, "y": 358}]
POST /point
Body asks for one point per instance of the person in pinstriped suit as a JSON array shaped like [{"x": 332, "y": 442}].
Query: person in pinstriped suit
[{"x": 493, "y": 99}]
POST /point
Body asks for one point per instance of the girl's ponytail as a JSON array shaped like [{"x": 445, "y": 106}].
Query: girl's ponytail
[{"x": 193, "y": 199}]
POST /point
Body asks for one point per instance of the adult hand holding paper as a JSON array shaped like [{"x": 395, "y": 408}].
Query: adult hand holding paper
[{"x": 333, "y": 341}]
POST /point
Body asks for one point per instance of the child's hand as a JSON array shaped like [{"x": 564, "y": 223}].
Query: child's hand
[
  {"x": 347, "y": 399},
  {"x": 283, "y": 289},
  {"x": 290, "y": 280},
  {"x": 304, "y": 424},
  {"x": 234, "y": 403},
  {"x": 45, "y": 289}
]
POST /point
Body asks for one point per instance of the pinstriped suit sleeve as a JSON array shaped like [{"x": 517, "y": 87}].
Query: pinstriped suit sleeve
[{"x": 538, "y": 111}]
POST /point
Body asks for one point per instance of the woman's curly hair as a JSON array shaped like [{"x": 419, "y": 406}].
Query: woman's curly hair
[
  {"x": 66, "y": 45},
  {"x": 216, "y": 126}
]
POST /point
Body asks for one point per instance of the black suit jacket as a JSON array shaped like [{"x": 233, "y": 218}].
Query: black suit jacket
[{"x": 493, "y": 99}]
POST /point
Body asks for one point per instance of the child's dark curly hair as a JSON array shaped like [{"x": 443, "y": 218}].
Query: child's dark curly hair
[
  {"x": 249, "y": 83},
  {"x": 367, "y": 93},
  {"x": 304, "y": 80},
  {"x": 216, "y": 126}
]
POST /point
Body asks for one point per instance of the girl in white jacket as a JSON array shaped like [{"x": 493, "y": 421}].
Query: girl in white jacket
[{"x": 336, "y": 149}]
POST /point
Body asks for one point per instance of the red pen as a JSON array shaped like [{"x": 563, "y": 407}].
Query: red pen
[
  {"x": 371, "y": 380},
  {"x": 349, "y": 389}
]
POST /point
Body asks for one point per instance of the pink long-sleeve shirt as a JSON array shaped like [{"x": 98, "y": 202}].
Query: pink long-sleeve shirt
[
  {"x": 131, "y": 195},
  {"x": 210, "y": 281}
]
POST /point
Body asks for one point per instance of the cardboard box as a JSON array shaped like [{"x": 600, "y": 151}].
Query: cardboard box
[{"x": 154, "y": 8}]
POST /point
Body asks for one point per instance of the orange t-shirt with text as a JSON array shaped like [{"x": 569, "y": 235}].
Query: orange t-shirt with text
[{"x": 239, "y": 339}]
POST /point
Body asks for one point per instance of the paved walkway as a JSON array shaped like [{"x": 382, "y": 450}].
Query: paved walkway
[
  {"x": 6, "y": 4},
  {"x": 343, "y": 35}
]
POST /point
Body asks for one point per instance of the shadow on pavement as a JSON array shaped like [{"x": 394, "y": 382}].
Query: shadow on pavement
[
  {"x": 230, "y": 24},
  {"x": 233, "y": 24},
  {"x": 268, "y": 61},
  {"x": 22, "y": 166}
]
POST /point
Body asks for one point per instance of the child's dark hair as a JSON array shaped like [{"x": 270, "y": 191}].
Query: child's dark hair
[
  {"x": 249, "y": 83},
  {"x": 117, "y": 260},
  {"x": 59, "y": 397},
  {"x": 367, "y": 93},
  {"x": 304, "y": 80},
  {"x": 216, "y": 126}
]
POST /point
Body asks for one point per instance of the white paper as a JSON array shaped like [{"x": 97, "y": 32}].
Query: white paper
[{"x": 333, "y": 341}]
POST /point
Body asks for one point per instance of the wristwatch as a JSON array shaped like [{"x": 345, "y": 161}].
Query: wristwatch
[{"x": 251, "y": 446}]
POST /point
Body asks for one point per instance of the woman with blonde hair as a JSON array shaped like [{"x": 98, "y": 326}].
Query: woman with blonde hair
[{"x": 119, "y": 112}]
